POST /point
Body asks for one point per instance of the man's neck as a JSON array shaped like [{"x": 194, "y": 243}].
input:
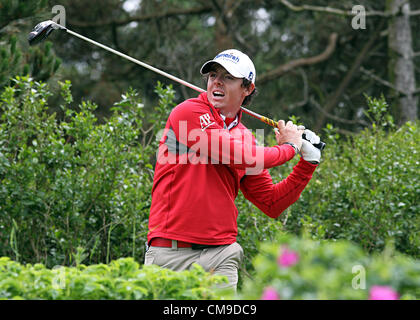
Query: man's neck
[{"x": 229, "y": 113}]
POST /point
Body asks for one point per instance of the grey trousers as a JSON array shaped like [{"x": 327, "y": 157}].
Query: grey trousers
[{"x": 221, "y": 260}]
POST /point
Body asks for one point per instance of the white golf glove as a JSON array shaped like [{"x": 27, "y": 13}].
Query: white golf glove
[{"x": 308, "y": 152}]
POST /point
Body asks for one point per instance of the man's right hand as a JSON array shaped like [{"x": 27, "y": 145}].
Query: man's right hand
[{"x": 289, "y": 132}]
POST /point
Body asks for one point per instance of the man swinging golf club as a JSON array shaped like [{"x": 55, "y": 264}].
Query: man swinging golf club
[
  {"x": 205, "y": 156},
  {"x": 43, "y": 29}
]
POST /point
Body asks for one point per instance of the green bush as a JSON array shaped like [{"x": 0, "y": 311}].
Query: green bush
[
  {"x": 367, "y": 187},
  {"x": 302, "y": 268},
  {"x": 289, "y": 268},
  {"x": 366, "y": 190},
  {"x": 76, "y": 189},
  {"x": 68, "y": 181},
  {"x": 122, "y": 279}
]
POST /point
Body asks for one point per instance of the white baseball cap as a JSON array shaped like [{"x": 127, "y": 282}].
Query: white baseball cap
[{"x": 238, "y": 64}]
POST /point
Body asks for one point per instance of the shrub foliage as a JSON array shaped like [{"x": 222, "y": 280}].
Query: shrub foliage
[
  {"x": 74, "y": 188},
  {"x": 301, "y": 268},
  {"x": 69, "y": 182},
  {"x": 121, "y": 279},
  {"x": 366, "y": 188}
]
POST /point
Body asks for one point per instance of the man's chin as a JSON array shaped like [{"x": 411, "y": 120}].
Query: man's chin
[{"x": 217, "y": 105}]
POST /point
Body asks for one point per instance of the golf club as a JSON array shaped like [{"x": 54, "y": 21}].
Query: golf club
[{"x": 43, "y": 29}]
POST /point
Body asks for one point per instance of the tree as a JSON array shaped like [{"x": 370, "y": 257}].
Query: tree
[
  {"x": 401, "y": 64},
  {"x": 401, "y": 69},
  {"x": 310, "y": 62},
  {"x": 15, "y": 56},
  {"x": 202, "y": 29}
]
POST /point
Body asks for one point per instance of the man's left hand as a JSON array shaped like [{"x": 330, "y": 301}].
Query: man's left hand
[{"x": 308, "y": 152}]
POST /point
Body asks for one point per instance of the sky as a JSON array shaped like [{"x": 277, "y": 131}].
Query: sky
[{"x": 131, "y": 5}]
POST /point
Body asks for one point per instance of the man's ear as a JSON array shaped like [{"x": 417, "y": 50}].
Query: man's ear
[{"x": 250, "y": 88}]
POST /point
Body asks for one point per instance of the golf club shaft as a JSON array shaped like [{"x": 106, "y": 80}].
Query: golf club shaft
[
  {"x": 145, "y": 65},
  {"x": 262, "y": 118},
  {"x": 167, "y": 75},
  {"x": 266, "y": 120}
]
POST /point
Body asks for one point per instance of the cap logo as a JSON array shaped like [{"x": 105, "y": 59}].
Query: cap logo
[
  {"x": 250, "y": 76},
  {"x": 228, "y": 56}
]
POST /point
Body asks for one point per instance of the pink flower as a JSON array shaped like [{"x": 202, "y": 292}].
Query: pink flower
[
  {"x": 270, "y": 294},
  {"x": 382, "y": 293},
  {"x": 287, "y": 258}
]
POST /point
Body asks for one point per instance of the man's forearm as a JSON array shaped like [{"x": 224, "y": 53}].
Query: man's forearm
[{"x": 272, "y": 198}]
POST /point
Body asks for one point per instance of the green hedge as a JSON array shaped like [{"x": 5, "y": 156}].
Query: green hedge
[
  {"x": 76, "y": 188},
  {"x": 366, "y": 188},
  {"x": 68, "y": 180},
  {"x": 288, "y": 268},
  {"x": 122, "y": 279}
]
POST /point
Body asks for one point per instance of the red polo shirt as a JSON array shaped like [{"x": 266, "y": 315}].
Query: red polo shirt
[{"x": 200, "y": 168}]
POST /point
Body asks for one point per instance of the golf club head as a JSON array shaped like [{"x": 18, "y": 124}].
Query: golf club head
[{"x": 41, "y": 31}]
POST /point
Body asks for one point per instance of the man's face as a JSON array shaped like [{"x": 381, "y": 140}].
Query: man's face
[{"x": 225, "y": 92}]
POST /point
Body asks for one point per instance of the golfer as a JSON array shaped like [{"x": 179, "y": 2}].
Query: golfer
[{"x": 206, "y": 155}]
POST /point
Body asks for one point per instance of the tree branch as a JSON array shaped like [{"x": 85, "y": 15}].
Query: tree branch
[
  {"x": 333, "y": 117},
  {"x": 305, "y": 91},
  {"x": 146, "y": 17},
  {"x": 385, "y": 14},
  {"x": 314, "y": 8},
  {"x": 332, "y": 10},
  {"x": 279, "y": 71},
  {"x": 334, "y": 98},
  {"x": 380, "y": 80},
  {"x": 245, "y": 44},
  {"x": 414, "y": 13},
  {"x": 13, "y": 26}
]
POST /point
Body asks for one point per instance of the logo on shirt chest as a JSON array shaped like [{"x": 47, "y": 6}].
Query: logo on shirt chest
[{"x": 205, "y": 121}]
